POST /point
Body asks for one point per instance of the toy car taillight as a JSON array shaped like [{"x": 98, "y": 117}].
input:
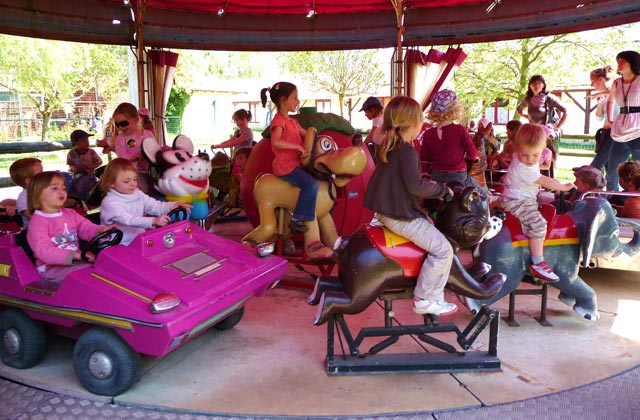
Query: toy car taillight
[
  {"x": 265, "y": 248},
  {"x": 164, "y": 302}
]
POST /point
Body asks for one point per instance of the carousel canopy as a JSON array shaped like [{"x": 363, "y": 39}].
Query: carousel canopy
[{"x": 288, "y": 25}]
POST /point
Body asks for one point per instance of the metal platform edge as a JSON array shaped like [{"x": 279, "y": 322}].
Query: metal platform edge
[{"x": 463, "y": 362}]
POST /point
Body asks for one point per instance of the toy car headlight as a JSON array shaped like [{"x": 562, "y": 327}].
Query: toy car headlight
[
  {"x": 164, "y": 302},
  {"x": 265, "y": 248}
]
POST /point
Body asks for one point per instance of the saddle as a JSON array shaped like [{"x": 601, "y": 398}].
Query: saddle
[
  {"x": 397, "y": 248},
  {"x": 549, "y": 213}
]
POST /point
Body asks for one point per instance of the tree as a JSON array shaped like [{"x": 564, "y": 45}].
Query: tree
[
  {"x": 103, "y": 68},
  {"x": 40, "y": 71},
  {"x": 342, "y": 73},
  {"x": 48, "y": 73},
  {"x": 178, "y": 100},
  {"x": 502, "y": 69},
  {"x": 217, "y": 64}
]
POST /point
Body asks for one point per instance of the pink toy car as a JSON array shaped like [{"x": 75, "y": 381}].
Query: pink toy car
[{"x": 169, "y": 285}]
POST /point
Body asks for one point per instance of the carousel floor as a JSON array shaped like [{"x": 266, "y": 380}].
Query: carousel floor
[{"x": 272, "y": 364}]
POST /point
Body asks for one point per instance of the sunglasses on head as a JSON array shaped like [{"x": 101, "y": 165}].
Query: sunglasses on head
[{"x": 122, "y": 124}]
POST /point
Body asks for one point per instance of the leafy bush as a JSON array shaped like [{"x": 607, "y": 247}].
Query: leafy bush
[{"x": 178, "y": 100}]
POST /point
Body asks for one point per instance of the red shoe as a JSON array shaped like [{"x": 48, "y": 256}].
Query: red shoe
[{"x": 543, "y": 272}]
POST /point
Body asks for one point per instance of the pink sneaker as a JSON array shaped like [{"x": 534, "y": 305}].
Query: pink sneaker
[{"x": 543, "y": 272}]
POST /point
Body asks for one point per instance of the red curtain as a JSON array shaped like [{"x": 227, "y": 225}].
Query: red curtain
[
  {"x": 427, "y": 73},
  {"x": 163, "y": 67}
]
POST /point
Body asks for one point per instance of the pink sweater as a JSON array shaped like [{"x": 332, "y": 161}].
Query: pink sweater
[{"x": 54, "y": 236}]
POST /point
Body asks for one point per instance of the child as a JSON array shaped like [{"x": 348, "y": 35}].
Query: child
[
  {"x": 126, "y": 206},
  {"x": 372, "y": 108},
  {"x": 8, "y": 212},
  {"x": 631, "y": 207},
  {"x": 21, "y": 172},
  {"x": 54, "y": 231},
  {"x": 485, "y": 129},
  {"x": 548, "y": 156},
  {"x": 393, "y": 193},
  {"x": 504, "y": 157},
  {"x": 288, "y": 147},
  {"x": 239, "y": 162},
  {"x": 588, "y": 178},
  {"x": 108, "y": 138},
  {"x": 129, "y": 140},
  {"x": 82, "y": 161},
  {"x": 521, "y": 188},
  {"x": 486, "y": 149},
  {"x": 147, "y": 124},
  {"x": 243, "y": 136},
  {"x": 448, "y": 144},
  {"x": 626, "y": 171}
]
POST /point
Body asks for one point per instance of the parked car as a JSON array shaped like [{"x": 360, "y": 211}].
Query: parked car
[{"x": 169, "y": 285}]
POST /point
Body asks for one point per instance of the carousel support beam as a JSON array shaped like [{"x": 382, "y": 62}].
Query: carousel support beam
[
  {"x": 139, "y": 7},
  {"x": 397, "y": 4}
]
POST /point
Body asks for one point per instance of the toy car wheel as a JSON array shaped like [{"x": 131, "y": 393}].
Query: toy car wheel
[
  {"x": 24, "y": 342},
  {"x": 230, "y": 321},
  {"x": 105, "y": 363}
]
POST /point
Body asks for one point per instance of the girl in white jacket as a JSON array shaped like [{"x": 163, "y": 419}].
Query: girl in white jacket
[{"x": 126, "y": 206}]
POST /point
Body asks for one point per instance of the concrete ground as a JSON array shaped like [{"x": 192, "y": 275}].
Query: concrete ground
[{"x": 273, "y": 362}]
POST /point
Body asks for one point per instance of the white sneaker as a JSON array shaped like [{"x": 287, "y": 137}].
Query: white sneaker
[
  {"x": 586, "y": 314},
  {"x": 434, "y": 307}
]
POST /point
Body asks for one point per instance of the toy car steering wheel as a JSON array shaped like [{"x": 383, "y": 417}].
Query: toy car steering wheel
[
  {"x": 178, "y": 214},
  {"x": 101, "y": 241}
]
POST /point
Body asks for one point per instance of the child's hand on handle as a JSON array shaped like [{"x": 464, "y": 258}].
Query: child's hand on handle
[
  {"x": 160, "y": 221},
  {"x": 104, "y": 228},
  {"x": 302, "y": 152},
  {"x": 186, "y": 206},
  {"x": 448, "y": 196},
  {"x": 88, "y": 256}
]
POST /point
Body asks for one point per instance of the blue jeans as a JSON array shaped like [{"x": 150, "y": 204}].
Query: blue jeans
[
  {"x": 306, "y": 204},
  {"x": 618, "y": 154},
  {"x": 462, "y": 177},
  {"x": 601, "y": 159}
]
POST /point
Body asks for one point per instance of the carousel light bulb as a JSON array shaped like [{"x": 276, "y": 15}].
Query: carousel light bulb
[
  {"x": 311, "y": 14},
  {"x": 115, "y": 22},
  {"x": 221, "y": 11}
]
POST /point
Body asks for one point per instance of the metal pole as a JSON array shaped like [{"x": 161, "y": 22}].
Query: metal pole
[
  {"x": 397, "y": 4},
  {"x": 139, "y": 7}
]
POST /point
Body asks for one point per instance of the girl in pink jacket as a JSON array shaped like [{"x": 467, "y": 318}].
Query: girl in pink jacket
[{"x": 54, "y": 230}]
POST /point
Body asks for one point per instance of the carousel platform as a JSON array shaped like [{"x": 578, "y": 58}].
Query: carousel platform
[{"x": 272, "y": 365}]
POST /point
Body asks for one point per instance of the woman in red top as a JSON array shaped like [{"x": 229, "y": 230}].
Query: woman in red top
[{"x": 288, "y": 147}]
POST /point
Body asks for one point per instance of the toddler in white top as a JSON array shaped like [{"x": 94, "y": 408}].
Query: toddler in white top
[
  {"x": 128, "y": 207},
  {"x": 522, "y": 181}
]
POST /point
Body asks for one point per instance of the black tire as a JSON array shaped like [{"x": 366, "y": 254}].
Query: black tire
[
  {"x": 230, "y": 321},
  {"x": 24, "y": 343},
  {"x": 105, "y": 363}
]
